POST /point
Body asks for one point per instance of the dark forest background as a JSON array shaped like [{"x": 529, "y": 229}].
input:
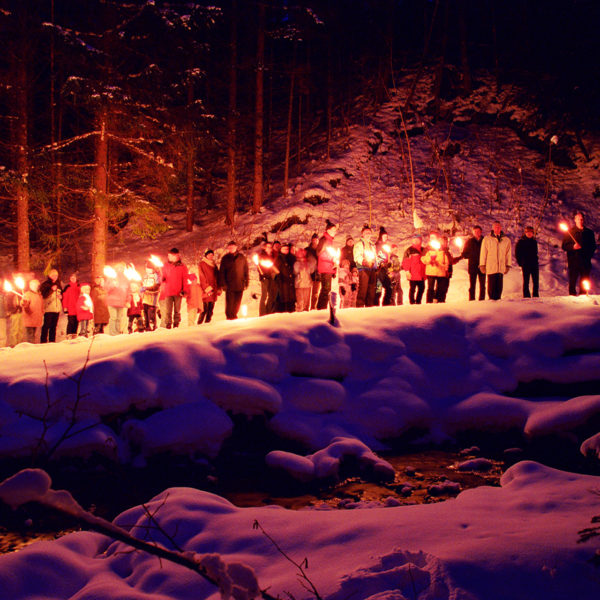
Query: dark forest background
[{"x": 117, "y": 112}]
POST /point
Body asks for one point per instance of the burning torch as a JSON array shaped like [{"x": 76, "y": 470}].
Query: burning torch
[
  {"x": 459, "y": 242},
  {"x": 156, "y": 261},
  {"x": 565, "y": 228},
  {"x": 109, "y": 272},
  {"x": 8, "y": 288},
  {"x": 586, "y": 285}
]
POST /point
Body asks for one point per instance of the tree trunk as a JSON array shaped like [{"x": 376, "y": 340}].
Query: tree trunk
[
  {"x": 22, "y": 160},
  {"x": 99, "y": 193},
  {"x": 191, "y": 163},
  {"x": 288, "y": 137},
  {"x": 232, "y": 120},
  {"x": 464, "y": 50},
  {"x": 329, "y": 95},
  {"x": 439, "y": 71},
  {"x": 257, "y": 198}
]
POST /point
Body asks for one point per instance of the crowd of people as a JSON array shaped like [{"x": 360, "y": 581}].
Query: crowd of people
[{"x": 367, "y": 272}]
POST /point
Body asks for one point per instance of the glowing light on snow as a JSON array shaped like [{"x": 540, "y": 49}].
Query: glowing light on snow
[
  {"x": 244, "y": 311},
  {"x": 156, "y": 261},
  {"x": 110, "y": 272}
]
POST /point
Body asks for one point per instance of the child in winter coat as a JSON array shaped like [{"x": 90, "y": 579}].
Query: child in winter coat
[
  {"x": 134, "y": 308},
  {"x": 150, "y": 291},
  {"x": 192, "y": 298},
  {"x": 412, "y": 264},
  {"x": 85, "y": 308},
  {"x": 345, "y": 283},
  {"x": 33, "y": 311},
  {"x": 69, "y": 300}
]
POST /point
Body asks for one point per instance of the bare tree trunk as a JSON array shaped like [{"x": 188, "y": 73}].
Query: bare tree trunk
[
  {"x": 495, "y": 44},
  {"x": 22, "y": 160},
  {"x": 299, "y": 134},
  {"x": 329, "y": 96},
  {"x": 232, "y": 120},
  {"x": 439, "y": 71},
  {"x": 257, "y": 198},
  {"x": 464, "y": 50},
  {"x": 99, "y": 193},
  {"x": 288, "y": 137},
  {"x": 191, "y": 163}
]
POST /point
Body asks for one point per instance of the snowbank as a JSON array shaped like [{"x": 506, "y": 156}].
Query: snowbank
[
  {"x": 518, "y": 541},
  {"x": 383, "y": 372}
]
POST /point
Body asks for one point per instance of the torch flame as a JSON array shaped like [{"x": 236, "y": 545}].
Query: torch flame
[
  {"x": 109, "y": 272},
  {"x": 267, "y": 264},
  {"x": 370, "y": 255},
  {"x": 435, "y": 244},
  {"x": 156, "y": 261},
  {"x": 87, "y": 303},
  {"x": 563, "y": 227},
  {"x": 387, "y": 248},
  {"x": 20, "y": 282},
  {"x": 255, "y": 259},
  {"x": 244, "y": 310},
  {"x": 131, "y": 273},
  {"x": 586, "y": 285},
  {"x": 459, "y": 242},
  {"x": 8, "y": 286}
]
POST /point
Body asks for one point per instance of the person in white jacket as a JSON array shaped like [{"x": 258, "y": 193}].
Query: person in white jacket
[{"x": 495, "y": 260}]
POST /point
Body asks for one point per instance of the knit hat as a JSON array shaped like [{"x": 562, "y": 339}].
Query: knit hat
[
  {"x": 315, "y": 236},
  {"x": 382, "y": 230},
  {"x": 349, "y": 238},
  {"x": 365, "y": 228},
  {"x": 209, "y": 251},
  {"x": 232, "y": 243},
  {"x": 173, "y": 251}
]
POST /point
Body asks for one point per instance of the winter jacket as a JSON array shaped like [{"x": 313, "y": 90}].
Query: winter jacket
[
  {"x": 52, "y": 298},
  {"x": 99, "y": 300},
  {"x": 150, "y": 288},
  {"x": 383, "y": 255},
  {"x": 135, "y": 306},
  {"x": 471, "y": 252},
  {"x": 70, "y": 296},
  {"x": 581, "y": 258},
  {"x": 437, "y": 263},
  {"x": 526, "y": 252},
  {"x": 175, "y": 279},
  {"x": 347, "y": 253},
  {"x": 117, "y": 291},
  {"x": 286, "y": 287},
  {"x": 413, "y": 264},
  {"x": 304, "y": 270},
  {"x": 326, "y": 251},
  {"x": 84, "y": 308},
  {"x": 364, "y": 254},
  {"x": 209, "y": 276},
  {"x": 233, "y": 272},
  {"x": 496, "y": 253},
  {"x": 33, "y": 309}
]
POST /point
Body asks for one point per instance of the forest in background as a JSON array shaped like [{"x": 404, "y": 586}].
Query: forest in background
[{"x": 114, "y": 113}]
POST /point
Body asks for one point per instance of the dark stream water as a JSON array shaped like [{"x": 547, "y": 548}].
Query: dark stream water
[{"x": 422, "y": 475}]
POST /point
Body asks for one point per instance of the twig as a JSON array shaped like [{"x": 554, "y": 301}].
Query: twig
[{"x": 306, "y": 583}]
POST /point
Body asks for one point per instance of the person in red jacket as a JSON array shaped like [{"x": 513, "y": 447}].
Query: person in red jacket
[
  {"x": 69, "y": 299},
  {"x": 85, "y": 309},
  {"x": 208, "y": 275},
  {"x": 327, "y": 262},
  {"x": 415, "y": 269},
  {"x": 117, "y": 288},
  {"x": 175, "y": 287}
]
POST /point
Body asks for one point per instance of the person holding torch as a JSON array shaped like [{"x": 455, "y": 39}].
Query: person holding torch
[
  {"x": 233, "y": 278},
  {"x": 365, "y": 257},
  {"x": 580, "y": 244},
  {"x": 267, "y": 273},
  {"x": 327, "y": 262},
  {"x": 51, "y": 291}
]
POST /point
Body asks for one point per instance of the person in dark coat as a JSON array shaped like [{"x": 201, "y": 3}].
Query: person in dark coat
[
  {"x": 384, "y": 250},
  {"x": 98, "y": 296},
  {"x": 267, "y": 274},
  {"x": 175, "y": 282},
  {"x": 326, "y": 263},
  {"x": 471, "y": 252},
  {"x": 580, "y": 244},
  {"x": 311, "y": 253},
  {"x": 286, "y": 295},
  {"x": 233, "y": 278},
  {"x": 526, "y": 253},
  {"x": 347, "y": 253}
]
